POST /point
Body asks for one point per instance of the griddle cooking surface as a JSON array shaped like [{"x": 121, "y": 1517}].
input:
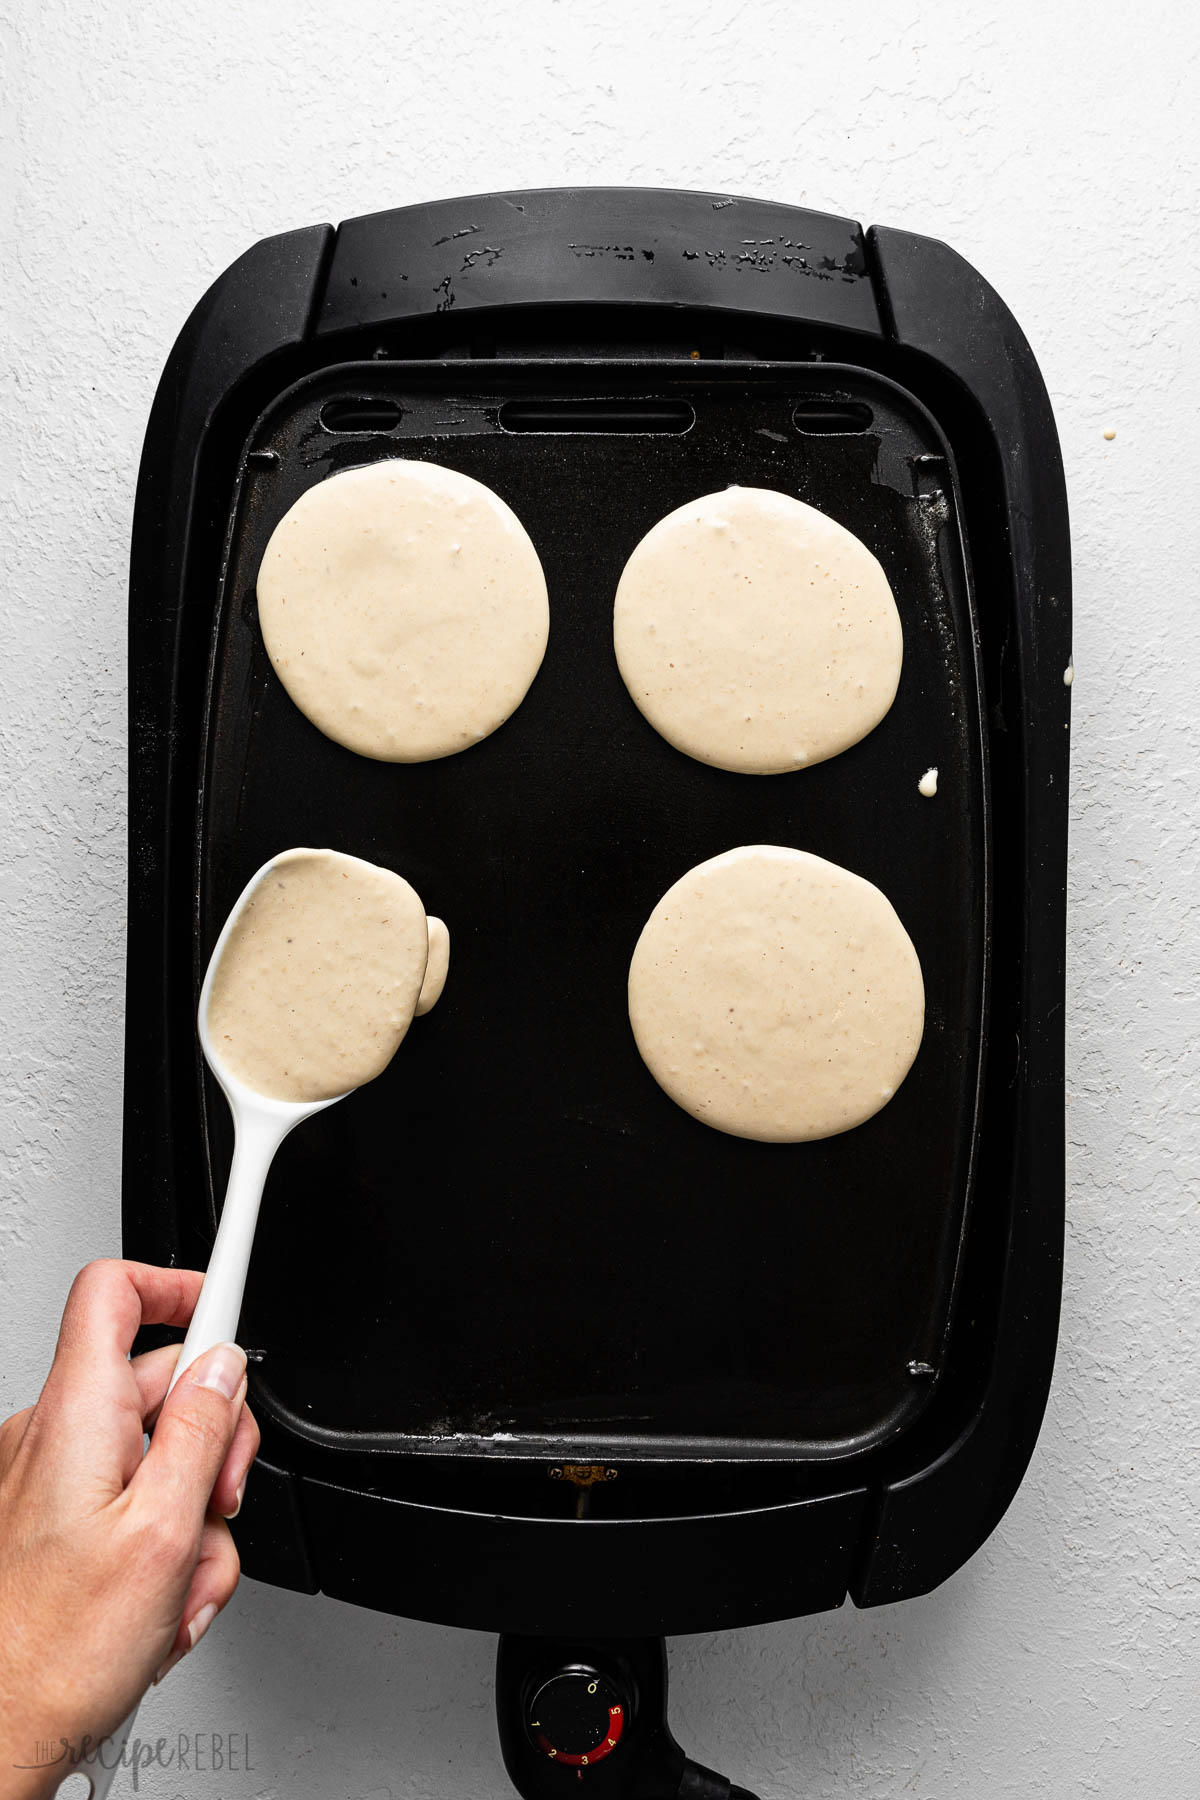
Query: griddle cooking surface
[{"x": 514, "y": 1230}]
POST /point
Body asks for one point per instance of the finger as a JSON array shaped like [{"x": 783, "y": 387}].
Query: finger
[
  {"x": 193, "y": 1437},
  {"x": 212, "y": 1585},
  {"x": 153, "y": 1371},
  {"x": 231, "y": 1482},
  {"x": 151, "y": 1377},
  {"x": 109, "y": 1300},
  {"x": 89, "y": 1406}
]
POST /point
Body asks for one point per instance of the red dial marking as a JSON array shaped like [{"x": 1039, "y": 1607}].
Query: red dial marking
[{"x": 584, "y": 1759}]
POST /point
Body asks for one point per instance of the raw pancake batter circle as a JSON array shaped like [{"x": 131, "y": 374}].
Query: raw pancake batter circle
[
  {"x": 755, "y": 633},
  {"x": 777, "y": 996},
  {"x": 404, "y": 609}
]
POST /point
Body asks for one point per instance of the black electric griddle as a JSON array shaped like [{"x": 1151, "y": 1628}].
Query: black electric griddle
[{"x": 586, "y": 1367}]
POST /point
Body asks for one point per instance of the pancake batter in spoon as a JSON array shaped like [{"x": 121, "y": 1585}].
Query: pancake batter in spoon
[
  {"x": 320, "y": 976},
  {"x": 776, "y": 996},
  {"x": 757, "y": 634},
  {"x": 404, "y": 609}
]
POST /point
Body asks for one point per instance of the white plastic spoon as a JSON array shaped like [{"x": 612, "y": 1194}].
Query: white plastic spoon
[{"x": 260, "y": 1125}]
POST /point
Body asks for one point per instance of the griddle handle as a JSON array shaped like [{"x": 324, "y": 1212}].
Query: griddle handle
[{"x": 470, "y": 265}]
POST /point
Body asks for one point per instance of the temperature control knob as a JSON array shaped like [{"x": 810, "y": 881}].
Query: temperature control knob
[{"x": 577, "y": 1716}]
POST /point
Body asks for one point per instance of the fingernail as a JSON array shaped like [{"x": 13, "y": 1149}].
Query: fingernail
[
  {"x": 174, "y": 1657},
  {"x": 221, "y": 1368},
  {"x": 237, "y": 1500},
  {"x": 198, "y": 1625},
  {"x": 196, "y": 1628}
]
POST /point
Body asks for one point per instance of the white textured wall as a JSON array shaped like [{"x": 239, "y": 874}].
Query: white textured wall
[{"x": 143, "y": 147}]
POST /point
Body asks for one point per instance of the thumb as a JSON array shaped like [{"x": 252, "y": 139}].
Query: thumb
[{"x": 194, "y": 1431}]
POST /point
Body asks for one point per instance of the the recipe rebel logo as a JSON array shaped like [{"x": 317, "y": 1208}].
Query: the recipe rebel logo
[{"x": 185, "y": 1753}]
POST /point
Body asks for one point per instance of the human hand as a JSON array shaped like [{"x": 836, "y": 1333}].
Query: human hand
[{"x": 112, "y": 1565}]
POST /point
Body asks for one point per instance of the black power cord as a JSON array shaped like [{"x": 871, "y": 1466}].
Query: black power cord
[{"x": 699, "y": 1783}]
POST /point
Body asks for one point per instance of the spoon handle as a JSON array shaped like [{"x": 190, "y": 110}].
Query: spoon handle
[
  {"x": 215, "y": 1320},
  {"x": 257, "y": 1137}
]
